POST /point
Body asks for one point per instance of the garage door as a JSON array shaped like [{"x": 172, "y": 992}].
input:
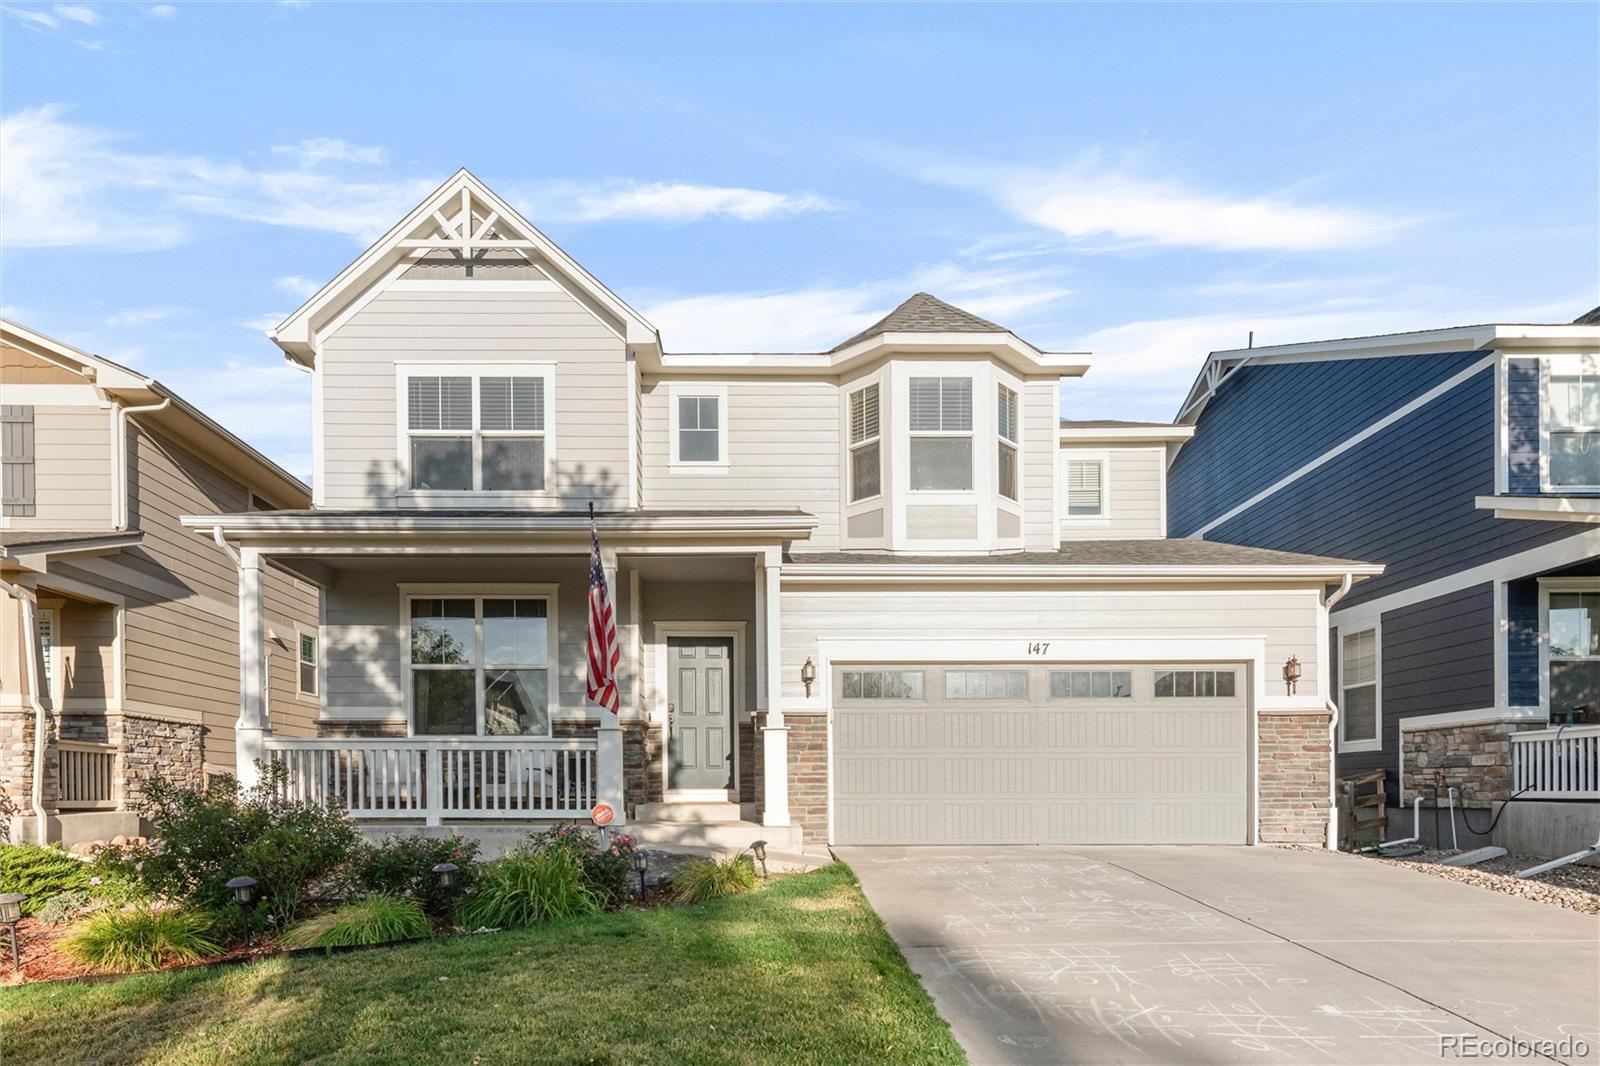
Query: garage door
[{"x": 1090, "y": 754}]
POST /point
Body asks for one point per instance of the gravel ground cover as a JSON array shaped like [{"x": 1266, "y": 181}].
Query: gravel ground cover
[{"x": 1576, "y": 887}]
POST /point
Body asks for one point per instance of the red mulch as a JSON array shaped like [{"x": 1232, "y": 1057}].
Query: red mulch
[{"x": 43, "y": 960}]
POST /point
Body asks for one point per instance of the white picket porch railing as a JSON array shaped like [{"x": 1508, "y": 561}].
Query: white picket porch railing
[
  {"x": 1557, "y": 763},
  {"x": 433, "y": 778}
]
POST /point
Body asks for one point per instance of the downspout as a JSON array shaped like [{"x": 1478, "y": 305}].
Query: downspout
[
  {"x": 30, "y": 624},
  {"x": 1333, "y": 728},
  {"x": 121, "y": 453}
]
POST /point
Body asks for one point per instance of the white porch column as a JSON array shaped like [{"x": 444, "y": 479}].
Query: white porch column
[
  {"x": 251, "y": 730},
  {"x": 775, "y": 735},
  {"x": 608, "y": 737}
]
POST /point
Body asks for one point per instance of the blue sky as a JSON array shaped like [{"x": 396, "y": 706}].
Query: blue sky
[{"x": 1147, "y": 183}]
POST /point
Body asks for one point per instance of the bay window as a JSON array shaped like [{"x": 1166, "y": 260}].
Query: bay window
[
  {"x": 1006, "y": 422},
  {"x": 1572, "y": 422},
  {"x": 1574, "y": 637},
  {"x": 480, "y": 665},
  {"x": 477, "y": 430},
  {"x": 941, "y": 434},
  {"x": 866, "y": 457},
  {"x": 1358, "y": 687}
]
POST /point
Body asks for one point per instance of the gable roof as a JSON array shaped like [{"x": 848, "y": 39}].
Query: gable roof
[
  {"x": 924, "y": 313},
  {"x": 462, "y": 217}
]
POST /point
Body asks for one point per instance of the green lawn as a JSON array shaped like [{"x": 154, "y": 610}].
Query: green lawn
[{"x": 801, "y": 971}]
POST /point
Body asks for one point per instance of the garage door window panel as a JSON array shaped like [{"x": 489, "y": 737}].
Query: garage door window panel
[
  {"x": 986, "y": 684},
  {"x": 1091, "y": 684},
  {"x": 882, "y": 684},
  {"x": 1194, "y": 684}
]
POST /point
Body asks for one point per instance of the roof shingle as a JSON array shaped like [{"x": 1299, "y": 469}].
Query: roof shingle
[{"x": 925, "y": 314}]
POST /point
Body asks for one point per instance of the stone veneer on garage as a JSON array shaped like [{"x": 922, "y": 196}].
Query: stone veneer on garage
[
  {"x": 1474, "y": 759},
  {"x": 1294, "y": 783}
]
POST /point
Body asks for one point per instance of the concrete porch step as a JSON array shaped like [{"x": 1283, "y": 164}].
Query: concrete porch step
[
  {"x": 687, "y": 811},
  {"x": 713, "y": 837}
]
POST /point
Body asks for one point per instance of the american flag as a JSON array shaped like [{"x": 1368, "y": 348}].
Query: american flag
[{"x": 603, "y": 651}]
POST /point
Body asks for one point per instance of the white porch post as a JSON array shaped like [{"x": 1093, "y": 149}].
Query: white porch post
[
  {"x": 251, "y": 730},
  {"x": 608, "y": 738},
  {"x": 775, "y": 735}
]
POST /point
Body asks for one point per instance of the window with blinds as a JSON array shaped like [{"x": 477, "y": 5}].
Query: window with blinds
[
  {"x": 1006, "y": 423},
  {"x": 1086, "y": 495},
  {"x": 941, "y": 434},
  {"x": 866, "y": 470},
  {"x": 472, "y": 433}
]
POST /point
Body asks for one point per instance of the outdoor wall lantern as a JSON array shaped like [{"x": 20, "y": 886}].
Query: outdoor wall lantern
[
  {"x": 244, "y": 894},
  {"x": 10, "y": 915},
  {"x": 1291, "y": 674},
  {"x": 758, "y": 848},
  {"x": 641, "y": 863},
  {"x": 808, "y": 674}
]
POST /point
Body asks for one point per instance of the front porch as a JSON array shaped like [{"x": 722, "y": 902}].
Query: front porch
[{"x": 452, "y": 670}]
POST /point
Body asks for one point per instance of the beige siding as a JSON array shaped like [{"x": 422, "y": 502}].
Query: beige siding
[
  {"x": 1040, "y": 417},
  {"x": 682, "y": 601},
  {"x": 18, "y": 367},
  {"x": 360, "y": 418},
  {"x": 1135, "y": 478},
  {"x": 783, "y": 451},
  {"x": 85, "y": 661},
  {"x": 1288, "y": 619},
  {"x": 72, "y": 469}
]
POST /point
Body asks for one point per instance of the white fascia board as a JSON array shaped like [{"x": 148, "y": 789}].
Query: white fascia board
[
  {"x": 945, "y": 574},
  {"x": 1011, "y": 350},
  {"x": 266, "y": 522},
  {"x": 1542, "y": 508},
  {"x": 1128, "y": 433}
]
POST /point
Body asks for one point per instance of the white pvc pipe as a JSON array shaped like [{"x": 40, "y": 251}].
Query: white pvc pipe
[
  {"x": 1453, "y": 845},
  {"x": 1416, "y": 826},
  {"x": 1333, "y": 726},
  {"x": 1565, "y": 860}
]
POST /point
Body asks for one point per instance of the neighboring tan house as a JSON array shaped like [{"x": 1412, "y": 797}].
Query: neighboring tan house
[
  {"x": 128, "y": 624},
  {"x": 1467, "y": 461},
  {"x": 875, "y": 594}
]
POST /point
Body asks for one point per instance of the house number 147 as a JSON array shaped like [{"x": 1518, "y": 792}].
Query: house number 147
[{"x": 1039, "y": 647}]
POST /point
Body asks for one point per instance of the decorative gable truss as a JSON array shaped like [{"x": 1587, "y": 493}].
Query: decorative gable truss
[{"x": 461, "y": 230}]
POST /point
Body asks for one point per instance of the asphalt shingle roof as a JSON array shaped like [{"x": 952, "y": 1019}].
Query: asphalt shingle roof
[
  {"x": 925, "y": 314},
  {"x": 1592, "y": 318}
]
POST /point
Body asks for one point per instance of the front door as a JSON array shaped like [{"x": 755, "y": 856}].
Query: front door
[{"x": 700, "y": 699}]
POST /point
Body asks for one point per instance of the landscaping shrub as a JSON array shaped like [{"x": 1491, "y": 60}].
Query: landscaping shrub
[
  {"x": 403, "y": 866},
  {"x": 64, "y": 907},
  {"x": 201, "y": 839},
  {"x": 710, "y": 879},
  {"x": 40, "y": 872},
  {"x": 606, "y": 859},
  {"x": 140, "y": 938},
  {"x": 528, "y": 886},
  {"x": 375, "y": 919}
]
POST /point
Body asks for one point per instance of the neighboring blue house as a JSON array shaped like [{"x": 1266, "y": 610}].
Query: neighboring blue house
[{"x": 1467, "y": 461}]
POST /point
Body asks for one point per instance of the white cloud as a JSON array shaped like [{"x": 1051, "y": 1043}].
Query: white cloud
[
  {"x": 84, "y": 16},
  {"x": 629, "y": 201},
  {"x": 314, "y": 150},
  {"x": 161, "y": 11},
  {"x": 1094, "y": 201},
  {"x": 296, "y": 285},
  {"x": 819, "y": 317},
  {"x": 139, "y": 316},
  {"x": 34, "y": 20},
  {"x": 262, "y": 323}
]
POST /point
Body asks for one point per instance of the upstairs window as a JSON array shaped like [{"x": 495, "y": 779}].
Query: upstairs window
[
  {"x": 699, "y": 426},
  {"x": 1086, "y": 488},
  {"x": 1006, "y": 421},
  {"x": 307, "y": 664},
  {"x": 1358, "y": 685},
  {"x": 477, "y": 432},
  {"x": 866, "y": 457},
  {"x": 1572, "y": 423},
  {"x": 941, "y": 434}
]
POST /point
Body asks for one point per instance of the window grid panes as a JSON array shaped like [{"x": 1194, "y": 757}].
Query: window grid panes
[
  {"x": 1091, "y": 684},
  {"x": 1574, "y": 640},
  {"x": 1194, "y": 684},
  {"x": 882, "y": 684},
  {"x": 1572, "y": 416},
  {"x": 308, "y": 664},
  {"x": 985, "y": 684},
  {"x": 866, "y": 471},
  {"x": 699, "y": 429},
  {"x": 1358, "y": 668},
  {"x": 1085, "y": 487},
  {"x": 941, "y": 434},
  {"x": 491, "y": 439},
  {"x": 480, "y": 666}
]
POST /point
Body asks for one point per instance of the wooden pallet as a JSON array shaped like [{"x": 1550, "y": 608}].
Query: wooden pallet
[{"x": 1363, "y": 809}]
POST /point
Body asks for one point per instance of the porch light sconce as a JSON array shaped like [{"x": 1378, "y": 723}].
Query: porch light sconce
[
  {"x": 244, "y": 894},
  {"x": 10, "y": 915},
  {"x": 641, "y": 863},
  {"x": 1291, "y": 674},
  {"x": 808, "y": 674}
]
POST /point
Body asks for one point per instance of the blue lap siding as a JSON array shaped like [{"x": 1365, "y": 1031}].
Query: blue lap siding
[{"x": 1522, "y": 427}]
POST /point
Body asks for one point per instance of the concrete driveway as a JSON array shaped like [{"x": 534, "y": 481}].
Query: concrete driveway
[{"x": 1229, "y": 955}]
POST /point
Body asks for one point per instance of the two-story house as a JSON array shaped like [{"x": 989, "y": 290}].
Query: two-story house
[
  {"x": 1467, "y": 460},
  {"x": 879, "y": 593},
  {"x": 119, "y": 630}
]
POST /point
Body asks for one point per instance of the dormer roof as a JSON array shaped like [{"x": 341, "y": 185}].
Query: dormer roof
[{"x": 924, "y": 313}]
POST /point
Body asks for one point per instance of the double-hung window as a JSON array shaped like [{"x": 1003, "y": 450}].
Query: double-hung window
[
  {"x": 1574, "y": 635},
  {"x": 699, "y": 427},
  {"x": 1086, "y": 487},
  {"x": 477, "y": 432},
  {"x": 306, "y": 664},
  {"x": 1006, "y": 423},
  {"x": 1572, "y": 423},
  {"x": 1358, "y": 686},
  {"x": 941, "y": 434},
  {"x": 866, "y": 457},
  {"x": 480, "y": 665}
]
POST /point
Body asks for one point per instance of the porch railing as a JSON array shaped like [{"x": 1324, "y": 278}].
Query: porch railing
[
  {"x": 433, "y": 778},
  {"x": 87, "y": 773},
  {"x": 1557, "y": 763}
]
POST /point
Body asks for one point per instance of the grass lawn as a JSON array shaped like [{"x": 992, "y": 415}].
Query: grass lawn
[{"x": 801, "y": 971}]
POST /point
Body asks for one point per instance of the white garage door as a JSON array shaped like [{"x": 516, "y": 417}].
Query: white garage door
[{"x": 1091, "y": 754}]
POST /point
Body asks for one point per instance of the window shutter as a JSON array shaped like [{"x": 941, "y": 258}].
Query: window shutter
[
  {"x": 1083, "y": 486},
  {"x": 863, "y": 414},
  {"x": 16, "y": 455}
]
